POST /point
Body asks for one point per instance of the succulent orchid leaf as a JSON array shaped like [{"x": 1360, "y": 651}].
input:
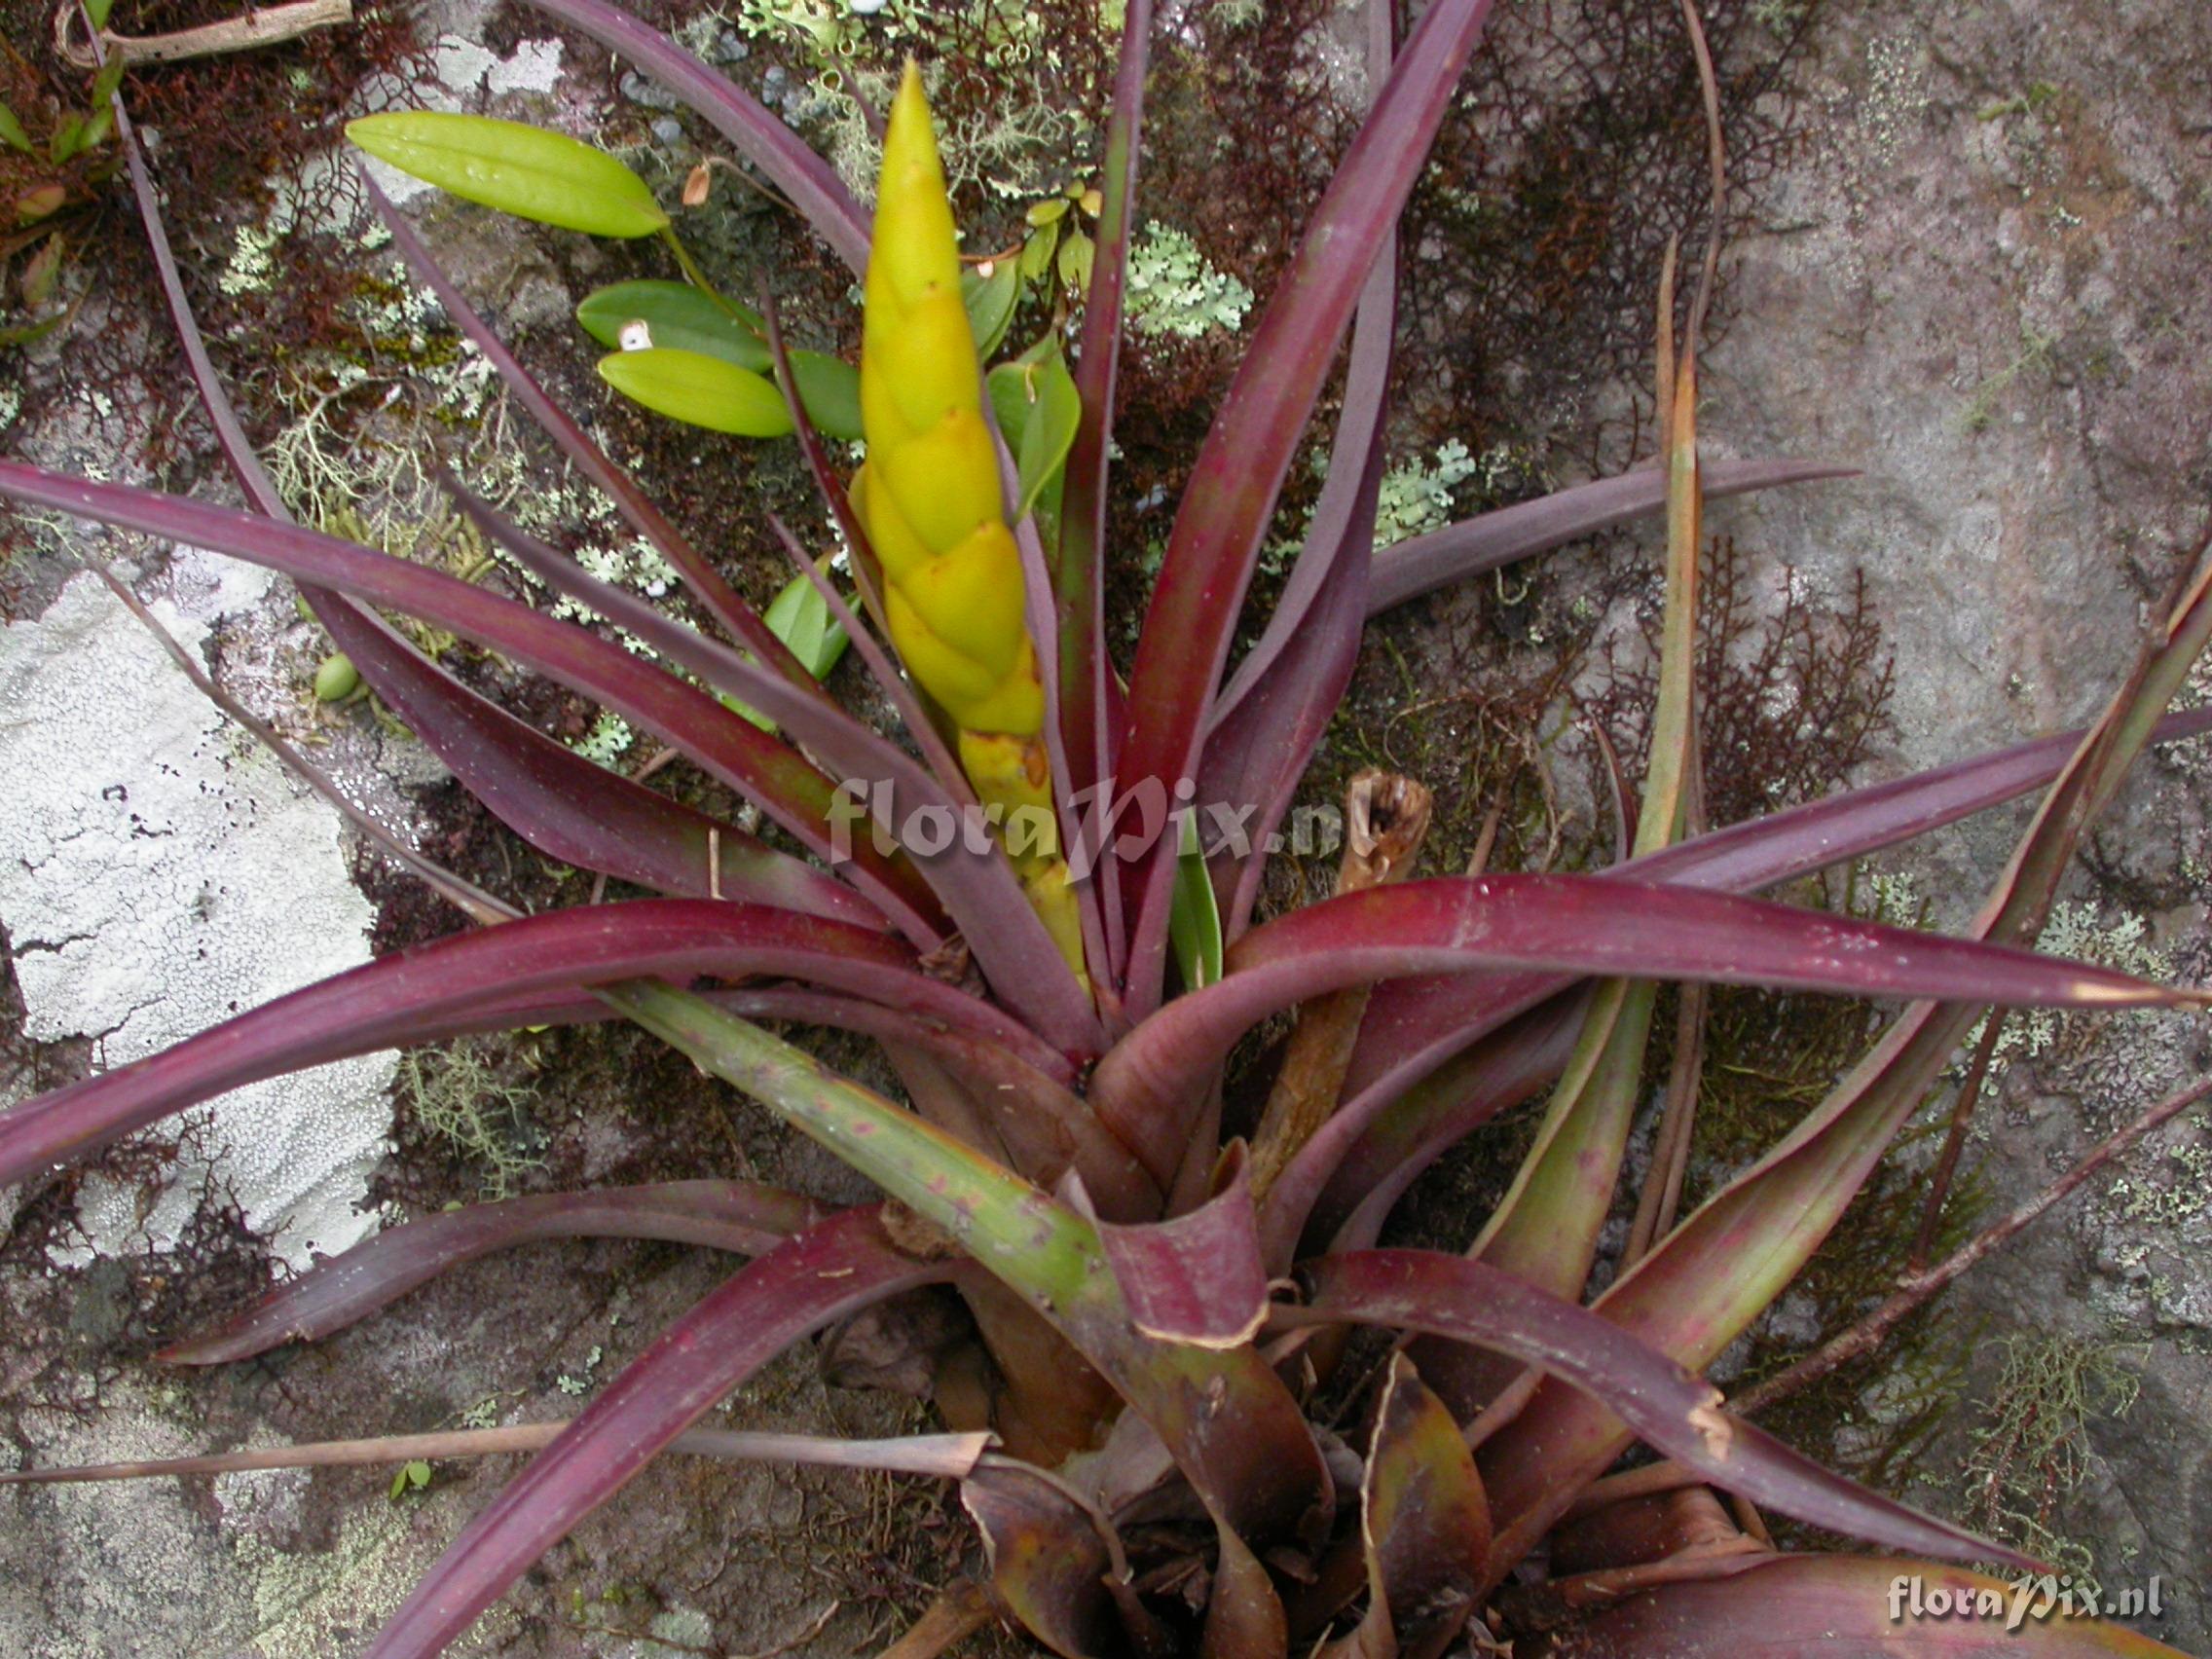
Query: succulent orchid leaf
[
  {"x": 12, "y": 132},
  {"x": 991, "y": 301},
  {"x": 708, "y": 584},
  {"x": 804, "y": 178},
  {"x": 698, "y": 391},
  {"x": 799, "y": 616},
  {"x": 1038, "y": 409},
  {"x": 530, "y": 171},
  {"x": 341, "y": 1290},
  {"x": 676, "y": 314}
]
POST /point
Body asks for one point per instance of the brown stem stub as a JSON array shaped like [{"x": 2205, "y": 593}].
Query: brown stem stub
[{"x": 1385, "y": 820}]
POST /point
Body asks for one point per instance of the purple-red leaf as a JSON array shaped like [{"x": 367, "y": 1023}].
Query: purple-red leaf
[
  {"x": 1269, "y": 719},
  {"x": 1239, "y": 472},
  {"x": 1414, "y": 1026},
  {"x": 1407, "y": 570},
  {"x": 1676, "y": 1414},
  {"x": 833, "y": 1269},
  {"x": 740, "y": 1216},
  {"x": 1196, "y": 1278},
  {"x": 1849, "y": 1607},
  {"x": 1080, "y": 577},
  {"x": 437, "y": 989},
  {"x": 771, "y": 774},
  {"x": 1423, "y": 1522},
  {"x": 1048, "y": 1557},
  {"x": 1147, "y": 1086}
]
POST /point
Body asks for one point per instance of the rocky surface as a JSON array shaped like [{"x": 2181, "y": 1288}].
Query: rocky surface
[
  {"x": 1979, "y": 287},
  {"x": 1977, "y": 281}
]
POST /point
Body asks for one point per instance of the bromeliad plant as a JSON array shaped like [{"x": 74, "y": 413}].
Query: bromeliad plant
[{"x": 1154, "y": 1312}]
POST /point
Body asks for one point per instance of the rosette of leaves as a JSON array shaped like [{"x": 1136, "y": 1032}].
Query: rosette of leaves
[{"x": 1154, "y": 1312}]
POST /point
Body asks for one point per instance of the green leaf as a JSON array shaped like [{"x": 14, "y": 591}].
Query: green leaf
[
  {"x": 1047, "y": 212},
  {"x": 1037, "y": 252},
  {"x": 699, "y": 390},
  {"x": 799, "y": 616},
  {"x": 1076, "y": 255},
  {"x": 1193, "y": 920},
  {"x": 97, "y": 11},
  {"x": 829, "y": 388},
  {"x": 1038, "y": 409},
  {"x": 12, "y": 132},
  {"x": 991, "y": 302},
  {"x": 676, "y": 315},
  {"x": 411, "y": 1477},
  {"x": 524, "y": 171},
  {"x": 68, "y": 138},
  {"x": 679, "y": 317}
]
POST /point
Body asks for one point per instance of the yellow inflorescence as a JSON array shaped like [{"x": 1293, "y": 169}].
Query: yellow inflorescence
[{"x": 930, "y": 500}]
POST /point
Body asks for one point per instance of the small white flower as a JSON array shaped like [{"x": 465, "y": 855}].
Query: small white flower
[{"x": 636, "y": 336}]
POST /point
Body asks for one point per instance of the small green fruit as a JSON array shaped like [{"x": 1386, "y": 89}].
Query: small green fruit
[{"x": 337, "y": 679}]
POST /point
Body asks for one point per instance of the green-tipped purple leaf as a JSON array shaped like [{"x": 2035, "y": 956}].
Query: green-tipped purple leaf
[{"x": 739, "y": 1216}]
